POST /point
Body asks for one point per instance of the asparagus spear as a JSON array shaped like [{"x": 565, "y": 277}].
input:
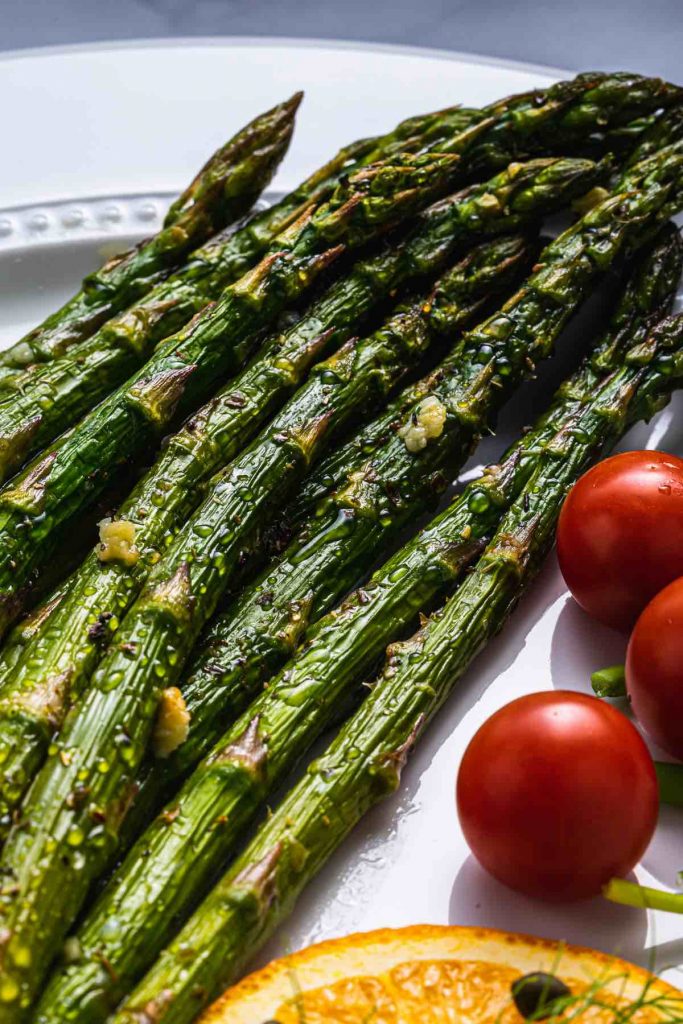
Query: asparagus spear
[
  {"x": 364, "y": 761},
  {"x": 53, "y": 583},
  {"x": 51, "y": 489},
  {"x": 33, "y": 702},
  {"x": 224, "y": 190},
  {"x": 665, "y": 130},
  {"x": 158, "y": 884},
  {"x": 25, "y": 631}
]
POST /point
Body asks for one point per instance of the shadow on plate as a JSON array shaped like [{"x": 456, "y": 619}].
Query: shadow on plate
[
  {"x": 478, "y": 899},
  {"x": 580, "y": 646}
]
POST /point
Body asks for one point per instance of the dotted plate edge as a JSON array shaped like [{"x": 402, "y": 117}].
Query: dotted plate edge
[{"x": 92, "y": 219}]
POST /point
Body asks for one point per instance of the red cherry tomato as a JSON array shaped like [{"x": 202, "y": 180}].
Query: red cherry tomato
[
  {"x": 557, "y": 794},
  {"x": 654, "y": 669},
  {"x": 620, "y": 534}
]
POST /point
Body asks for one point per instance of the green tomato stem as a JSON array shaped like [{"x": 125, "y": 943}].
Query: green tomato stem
[
  {"x": 630, "y": 894},
  {"x": 609, "y": 682}
]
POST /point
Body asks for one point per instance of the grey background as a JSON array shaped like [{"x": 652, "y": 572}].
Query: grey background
[{"x": 637, "y": 35}]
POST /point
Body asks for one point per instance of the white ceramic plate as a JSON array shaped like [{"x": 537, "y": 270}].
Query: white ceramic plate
[{"x": 100, "y": 137}]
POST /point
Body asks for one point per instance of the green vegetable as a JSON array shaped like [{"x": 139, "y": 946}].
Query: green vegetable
[
  {"x": 333, "y": 470},
  {"x": 34, "y": 701},
  {"x": 67, "y": 844},
  {"x": 158, "y": 884},
  {"x": 609, "y": 682},
  {"x": 259, "y": 632},
  {"x": 44, "y": 400},
  {"x": 561, "y": 116},
  {"x": 365, "y": 760},
  {"x": 186, "y": 367}
]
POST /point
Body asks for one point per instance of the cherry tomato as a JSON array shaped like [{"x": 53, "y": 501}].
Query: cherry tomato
[
  {"x": 620, "y": 534},
  {"x": 654, "y": 669},
  {"x": 557, "y": 794}
]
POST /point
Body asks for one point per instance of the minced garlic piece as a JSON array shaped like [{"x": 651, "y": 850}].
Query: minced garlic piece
[
  {"x": 586, "y": 202},
  {"x": 424, "y": 423},
  {"x": 117, "y": 541},
  {"x": 172, "y": 724}
]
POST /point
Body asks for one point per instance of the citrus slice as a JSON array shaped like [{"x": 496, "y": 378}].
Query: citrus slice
[{"x": 441, "y": 975}]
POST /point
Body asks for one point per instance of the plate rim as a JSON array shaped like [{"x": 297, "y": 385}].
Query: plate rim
[{"x": 285, "y": 42}]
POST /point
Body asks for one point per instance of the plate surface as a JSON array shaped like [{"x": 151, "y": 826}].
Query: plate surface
[{"x": 101, "y": 137}]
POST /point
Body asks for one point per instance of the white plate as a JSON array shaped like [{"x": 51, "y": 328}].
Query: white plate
[{"x": 100, "y": 137}]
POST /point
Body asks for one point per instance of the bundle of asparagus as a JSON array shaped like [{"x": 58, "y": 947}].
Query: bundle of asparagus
[
  {"x": 68, "y": 648},
  {"x": 383, "y": 489},
  {"x": 251, "y": 759},
  {"x": 50, "y": 398},
  {"x": 562, "y": 116},
  {"x": 188, "y": 364},
  {"x": 136, "y": 618},
  {"x": 365, "y": 760},
  {"x": 152, "y": 644}
]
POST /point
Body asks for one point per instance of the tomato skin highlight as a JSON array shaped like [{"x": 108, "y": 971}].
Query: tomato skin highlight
[
  {"x": 556, "y": 794},
  {"x": 620, "y": 534},
  {"x": 654, "y": 669}
]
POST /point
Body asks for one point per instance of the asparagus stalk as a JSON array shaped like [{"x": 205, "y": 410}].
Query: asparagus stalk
[
  {"x": 25, "y": 631},
  {"x": 185, "y": 367},
  {"x": 365, "y": 760},
  {"x": 34, "y": 701},
  {"x": 52, "y": 587},
  {"x": 224, "y": 190},
  {"x": 158, "y": 884},
  {"x": 665, "y": 130}
]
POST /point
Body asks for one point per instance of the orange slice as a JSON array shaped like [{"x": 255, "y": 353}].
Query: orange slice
[{"x": 438, "y": 975}]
